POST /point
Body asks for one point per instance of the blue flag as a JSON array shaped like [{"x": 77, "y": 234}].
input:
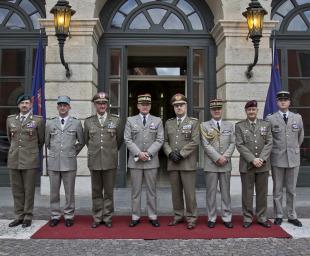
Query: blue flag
[
  {"x": 274, "y": 86},
  {"x": 38, "y": 95}
]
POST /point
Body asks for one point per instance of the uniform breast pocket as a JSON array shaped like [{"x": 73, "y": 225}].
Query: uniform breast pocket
[
  {"x": 187, "y": 134},
  {"x": 30, "y": 132},
  {"x": 13, "y": 131},
  {"x": 71, "y": 132},
  {"x": 53, "y": 133},
  {"x": 112, "y": 132},
  {"x": 275, "y": 129},
  {"x": 92, "y": 133}
]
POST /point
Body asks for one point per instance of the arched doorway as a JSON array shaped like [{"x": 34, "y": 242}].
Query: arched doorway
[
  {"x": 162, "y": 47},
  {"x": 293, "y": 43}
]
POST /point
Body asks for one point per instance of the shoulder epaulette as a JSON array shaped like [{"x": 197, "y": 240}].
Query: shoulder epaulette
[
  {"x": 194, "y": 118},
  {"x": 12, "y": 115},
  {"x": 89, "y": 117},
  {"x": 173, "y": 118},
  {"x": 114, "y": 115},
  {"x": 37, "y": 116},
  {"x": 242, "y": 121}
]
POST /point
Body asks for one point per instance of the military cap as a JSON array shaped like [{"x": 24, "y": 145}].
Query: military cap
[
  {"x": 145, "y": 98},
  {"x": 100, "y": 97},
  {"x": 178, "y": 99},
  {"x": 216, "y": 103},
  {"x": 283, "y": 95},
  {"x": 63, "y": 99},
  {"x": 22, "y": 97},
  {"x": 251, "y": 104}
]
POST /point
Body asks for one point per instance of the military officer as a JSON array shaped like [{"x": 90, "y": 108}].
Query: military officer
[
  {"x": 254, "y": 143},
  {"x": 103, "y": 137},
  {"x": 64, "y": 139},
  {"x": 288, "y": 134},
  {"x": 26, "y": 135},
  {"x": 144, "y": 136},
  {"x": 181, "y": 147},
  {"x": 218, "y": 140}
]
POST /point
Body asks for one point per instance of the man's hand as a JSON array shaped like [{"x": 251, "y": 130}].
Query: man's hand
[
  {"x": 222, "y": 161},
  {"x": 257, "y": 162},
  {"x": 143, "y": 156},
  {"x": 174, "y": 156}
]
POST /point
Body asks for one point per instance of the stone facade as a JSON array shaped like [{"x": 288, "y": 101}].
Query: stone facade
[{"x": 234, "y": 54}]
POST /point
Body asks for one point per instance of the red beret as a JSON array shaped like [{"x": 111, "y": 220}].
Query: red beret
[{"x": 251, "y": 104}]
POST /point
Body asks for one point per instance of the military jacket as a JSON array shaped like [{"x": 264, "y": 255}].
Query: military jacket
[
  {"x": 253, "y": 144},
  {"x": 287, "y": 139},
  {"x": 63, "y": 144},
  {"x": 26, "y": 140},
  {"x": 103, "y": 142},
  {"x": 184, "y": 139},
  {"x": 216, "y": 144},
  {"x": 140, "y": 138}
]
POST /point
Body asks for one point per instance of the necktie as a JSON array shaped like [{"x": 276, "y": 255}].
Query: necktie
[
  {"x": 62, "y": 121},
  {"x": 285, "y": 118},
  {"x": 179, "y": 121},
  {"x": 253, "y": 126},
  {"x": 218, "y": 126},
  {"x": 144, "y": 120},
  {"x": 22, "y": 119},
  {"x": 101, "y": 120}
]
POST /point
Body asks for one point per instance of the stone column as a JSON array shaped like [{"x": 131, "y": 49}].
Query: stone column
[{"x": 80, "y": 53}]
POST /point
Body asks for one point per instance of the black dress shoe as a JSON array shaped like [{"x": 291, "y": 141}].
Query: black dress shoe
[
  {"x": 175, "y": 222},
  {"x": 108, "y": 224},
  {"x": 53, "y": 222},
  {"x": 26, "y": 223},
  {"x": 265, "y": 224},
  {"x": 211, "y": 224},
  {"x": 69, "y": 222},
  {"x": 278, "y": 221},
  {"x": 133, "y": 223},
  {"x": 228, "y": 224},
  {"x": 95, "y": 224},
  {"x": 191, "y": 225},
  {"x": 154, "y": 223},
  {"x": 295, "y": 222},
  {"x": 247, "y": 224},
  {"x": 15, "y": 223}
]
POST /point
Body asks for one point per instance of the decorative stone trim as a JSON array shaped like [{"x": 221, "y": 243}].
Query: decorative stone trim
[
  {"x": 236, "y": 28},
  {"x": 80, "y": 27}
]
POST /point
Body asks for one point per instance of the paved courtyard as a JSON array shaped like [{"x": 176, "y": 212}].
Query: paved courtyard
[{"x": 16, "y": 241}]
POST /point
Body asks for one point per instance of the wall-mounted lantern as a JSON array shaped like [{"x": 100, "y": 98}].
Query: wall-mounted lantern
[
  {"x": 255, "y": 18},
  {"x": 62, "y": 16}
]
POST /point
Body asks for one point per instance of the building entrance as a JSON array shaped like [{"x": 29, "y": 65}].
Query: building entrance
[{"x": 161, "y": 92}]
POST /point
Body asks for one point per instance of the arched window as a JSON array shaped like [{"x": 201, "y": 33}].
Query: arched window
[
  {"x": 19, "y": 15},
  {"x": 158, "y": 16},
  {"x": 293, "y": 43},
  {"x": 19, "y": 33}
]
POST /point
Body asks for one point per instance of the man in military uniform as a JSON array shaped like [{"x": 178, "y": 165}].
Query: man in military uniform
[
  {"x": 218, "y": 140},
  {"x": 254, "y": 143},
  {"x": 288, "y": 135},
  {"x": 103, "y": 137},
  {"x": 144, "y": 136},
  {"x": 26, "y": 134},
  {"x": 64, "y": 139},
  {"x": 181, "y": 147}
]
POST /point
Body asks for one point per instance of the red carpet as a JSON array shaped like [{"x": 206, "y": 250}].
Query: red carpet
[{"x": 120, "y": 230}]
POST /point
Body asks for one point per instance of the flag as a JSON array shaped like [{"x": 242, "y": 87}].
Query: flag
[
  {"x": 38, "y": 96},
  {"x": 274, "y": 86}
]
